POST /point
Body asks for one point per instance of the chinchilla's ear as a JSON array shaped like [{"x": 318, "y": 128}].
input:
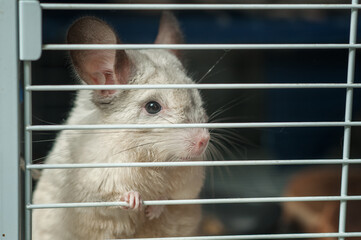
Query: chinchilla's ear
[
  {"x": 98, "y": 67},
  {"x": 169, "y": 31}
]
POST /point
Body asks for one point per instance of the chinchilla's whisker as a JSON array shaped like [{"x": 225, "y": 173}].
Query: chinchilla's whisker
[
  {"x": 43, "y": 140},
  {"x": 234, "y": 137},
  {"x": 225, "y": 119},
  {"x": 212, "y": 180},
  {"x": 224, "y": 149},
  {"x": 44, "y": 121},
  {"x": 218, "y": 156},
  {"x": 216, "y": 73},
  {"x": 43, "y": 133},
  {"x": 166, "y": 119},
  {"x": 214, "y": 152},
  {"x": 226, "y": 107},
  {"x": 37, "y": 160},
  {"x": 227, "y": 168},
  {"x": 231, "y": 134},
  {"x": 213, "y": 66},
  {"x": 231, "y": 140},
  {"x": 137, "y": 146},
  {"x": 209, "y": 152},
  {"x": 220, "y": 144}
]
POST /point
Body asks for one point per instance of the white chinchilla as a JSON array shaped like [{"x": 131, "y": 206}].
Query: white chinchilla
[{"x": 152, "y": 106}]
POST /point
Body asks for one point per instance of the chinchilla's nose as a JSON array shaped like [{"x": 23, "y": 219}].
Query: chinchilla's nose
[{"x": 201, "y": 140}]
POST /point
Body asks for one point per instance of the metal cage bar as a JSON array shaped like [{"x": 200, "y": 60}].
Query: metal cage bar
[
  {"x": 191, "y": 125},
  {"x": 194, "y": 86},
  {"x": 28, "y": 148},
  {"x": 197, "y": 163},
  {"x": 199, "y": 46},
  {"x": 74, "y": 6},
  {"x": 199, "y": 201},
  {"x": 348, "y": 118},
  {"x": 259, "y": 236}
]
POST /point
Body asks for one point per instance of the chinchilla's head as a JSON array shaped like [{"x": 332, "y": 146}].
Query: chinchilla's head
[{"x": 142, "y": 106}]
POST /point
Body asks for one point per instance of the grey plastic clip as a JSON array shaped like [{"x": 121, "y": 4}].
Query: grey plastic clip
[{"x": 30, "y": 39}]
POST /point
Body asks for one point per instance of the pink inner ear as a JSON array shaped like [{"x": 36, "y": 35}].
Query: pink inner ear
[
  {"x": 99, "y": 66},
  {"x": 98, "y": 69}
]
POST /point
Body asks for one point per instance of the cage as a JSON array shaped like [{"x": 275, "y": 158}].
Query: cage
[{"x": 283, "y": 78}]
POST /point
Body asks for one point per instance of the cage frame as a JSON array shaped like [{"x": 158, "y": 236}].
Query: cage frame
[{"x": 16, "y": 51}]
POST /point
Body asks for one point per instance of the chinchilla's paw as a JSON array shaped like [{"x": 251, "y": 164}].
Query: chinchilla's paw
[
  {"x": 133, "y": 199},
  {"x": 153, "y": 212}
]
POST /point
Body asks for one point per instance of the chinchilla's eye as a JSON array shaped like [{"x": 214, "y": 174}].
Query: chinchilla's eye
[{"x": 153, "y": 107}]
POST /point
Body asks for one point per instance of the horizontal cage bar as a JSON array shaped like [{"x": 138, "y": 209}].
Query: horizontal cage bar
[
  {"x": 194, "y": 86},
  {"x": 191, "y": 125},
  {"x": 199, "y": 201},
  {"x": 258, "y": 236},
  {"x": 198, "y": 46},
  {"x": 196, "y": 163},
  {"x": 74, "y": 6}
]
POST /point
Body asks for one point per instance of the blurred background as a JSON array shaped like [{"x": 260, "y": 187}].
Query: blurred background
[{"x": 238, "y": 66}]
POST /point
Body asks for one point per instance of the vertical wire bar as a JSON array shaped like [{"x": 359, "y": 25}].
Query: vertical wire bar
[
  {"x": 348, "y": 118},
  {"x": 28, "y": 148}
]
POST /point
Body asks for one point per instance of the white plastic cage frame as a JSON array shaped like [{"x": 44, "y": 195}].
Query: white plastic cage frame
[{"x": 22, "y": 22}]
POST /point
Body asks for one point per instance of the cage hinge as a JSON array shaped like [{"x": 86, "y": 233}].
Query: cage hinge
[{"x": 30, "y": 39}]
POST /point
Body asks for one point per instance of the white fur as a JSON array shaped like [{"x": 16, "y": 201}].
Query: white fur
[{"x": 112, "y": 146}]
